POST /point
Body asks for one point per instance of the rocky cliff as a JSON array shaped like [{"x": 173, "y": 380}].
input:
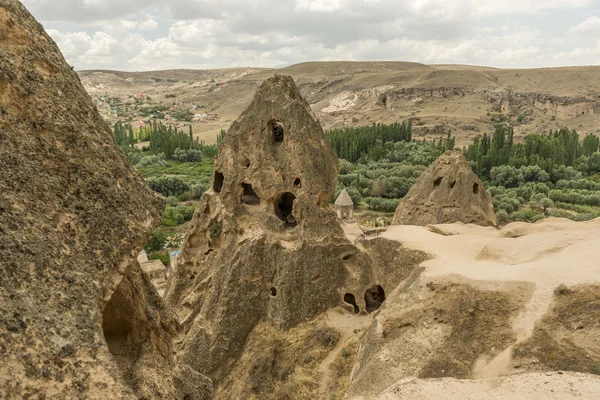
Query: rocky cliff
[{"x": 77, "y": 319}]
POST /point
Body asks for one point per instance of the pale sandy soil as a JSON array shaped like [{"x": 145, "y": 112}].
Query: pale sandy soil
[
  {"x": 531, "y": 386},
  {"x": 547, "y": 254}
]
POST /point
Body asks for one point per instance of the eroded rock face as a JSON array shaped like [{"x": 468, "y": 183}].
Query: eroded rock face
[
  {"x": 73, "y": 216},
  {"x": 422, "y": 330},
  {"x": 263, "y": 245},
  {"x": 448, "y": 191}
]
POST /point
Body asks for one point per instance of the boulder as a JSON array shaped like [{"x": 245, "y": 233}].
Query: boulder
[
  {"x": 446, "y": 192},
  {"x": 77, "y": 318}
]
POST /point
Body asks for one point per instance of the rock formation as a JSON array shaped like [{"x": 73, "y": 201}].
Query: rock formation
[
  {"x": 77, "y": 318},
  {"x": 448, "y": 191},
  {"x": 435, "y": 329},
  {"x": 263, "y": 245}
]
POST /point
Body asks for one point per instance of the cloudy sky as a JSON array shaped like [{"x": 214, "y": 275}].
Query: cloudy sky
[{"x": 136, "y": 35}]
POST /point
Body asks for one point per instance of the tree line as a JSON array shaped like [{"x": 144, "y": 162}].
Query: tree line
[
  {"x": 353, "y": 143},
  {"x": 548, "y": 151}
]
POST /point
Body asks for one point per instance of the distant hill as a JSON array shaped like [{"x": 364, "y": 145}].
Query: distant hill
[{"x": 468, "y": 100}]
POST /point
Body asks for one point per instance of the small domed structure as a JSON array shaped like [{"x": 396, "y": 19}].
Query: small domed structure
[{"x": 344, "y": 206}]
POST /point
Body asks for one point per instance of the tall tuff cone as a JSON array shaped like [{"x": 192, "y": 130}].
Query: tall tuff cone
[
  {"x": 448, "y": 191},
  {"x": 264, "y": 246},
  {"x": 73, "y": 216}
]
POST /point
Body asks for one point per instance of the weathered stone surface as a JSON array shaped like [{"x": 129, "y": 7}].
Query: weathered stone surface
[
  {"x": 248, "y": 259},
  {"x": 73, "y": 216},
  {"x": 435, "y": 329},
  {"x": 448, "y": 191}
]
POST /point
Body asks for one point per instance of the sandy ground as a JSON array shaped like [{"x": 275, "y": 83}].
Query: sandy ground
[
  {"x": 531, "y": 386},
  {"x": 547, "y": 254}
]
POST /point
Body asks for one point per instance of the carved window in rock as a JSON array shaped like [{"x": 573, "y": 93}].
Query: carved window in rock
[
  {"x": 218, "y": 182},
  {"x": 276, "y": 131},
  {"x": 249, "y": 196},
  {"x": 284, "y": 207},
  {"x": 374, "y": 297}
]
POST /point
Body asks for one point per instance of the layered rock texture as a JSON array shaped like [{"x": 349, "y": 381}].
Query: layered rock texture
[
  {"x": 263, "y": 245},
  {"x": 77, "y": 318},
  {"x": 448, "y": 191}
]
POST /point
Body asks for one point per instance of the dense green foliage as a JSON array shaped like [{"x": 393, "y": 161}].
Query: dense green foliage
[
  {"x": 173, "y": 143},
  {"x": 174, "y": 216},
  {"x": 168, "y": 185},
  {"x": 386, "y": 163},
  {"x": 544, "y": 175},
  {"x": 531, "y": 179},
  {"x": 124, "y": 134},
  {"x": 353, "y": 143},
  {"x": 157, "y": 241},
  {"x": 560, "y": 149}
]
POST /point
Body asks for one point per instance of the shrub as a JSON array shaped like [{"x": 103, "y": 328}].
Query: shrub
[
  {"x": 163, "y": 256},
  {"x": 152, "y": 161},
  {"x": 197, "y": 190},
  {"x": 186, "y": 211},
  {"x": 379, "y": 204},
  {"x": 562, "y": 290},
  {"x": 172, "y": 201},
  {"x": 172, "y": 216},
  {"x": 167, "y": 185},
  {"x": 502, "y": 217},
  {"x": 190, "y": 155},
  {"x": 156, "y": 242}
]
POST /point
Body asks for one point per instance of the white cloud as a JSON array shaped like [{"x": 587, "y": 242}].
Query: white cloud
[
  {"x": 154, "y": 34},
  {"x": 590, "y": 26}
]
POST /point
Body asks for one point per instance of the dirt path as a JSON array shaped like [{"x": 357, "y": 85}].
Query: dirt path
[
  {"x": 348, "y": 325},
  {"x": 547, "y": 254}
]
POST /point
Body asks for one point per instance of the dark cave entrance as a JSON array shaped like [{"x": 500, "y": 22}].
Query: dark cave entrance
[
  {"x": 437, "y": 182},
  {"x": 476, "y": 188},
  {"x": 284, "y": 207},
  {"x": 249, "y": 196},
  {"x": 276, "y": 131},
  {"x": 122, "y": 327},
  {"x": 350, "y": 299},
  {"x": 374, "y": 297},
  {"x": 297, "y": 183},
  {"x": 218, "y": 182}
]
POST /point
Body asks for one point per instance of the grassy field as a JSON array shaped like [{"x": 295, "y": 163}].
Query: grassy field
[{"x": 188, "y": 171}]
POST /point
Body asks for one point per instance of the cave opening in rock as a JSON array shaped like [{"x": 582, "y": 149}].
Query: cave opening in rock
[
  {"x": 437, "y": 182},
  {"x": 476, "y": 188},
  {"x": 374, "y": 297},
  {"x": 284, "y": 207},
  {"x": 122, "y": 327},
  {"x": 276, "y": 131},
  {"x": 273, "y": 292},
  {"x": 218, "y": 182},
  {"x": 297, "y": 183},
  {"x": 452, "y": 184},
  {"x": 249, "y": 196},
  {"x": 350, "y": 299}
]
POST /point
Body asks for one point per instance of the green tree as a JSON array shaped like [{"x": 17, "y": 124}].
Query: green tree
[{"x": 157, "y": 241}]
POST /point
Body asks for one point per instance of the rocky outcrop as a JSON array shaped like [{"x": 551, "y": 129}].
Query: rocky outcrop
[
  {"x": 435, "y": 329},
  {"x": 448, "y": 191},
  {"x": 264, "y": 246},
  {"x": 77, "y": 319}
]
